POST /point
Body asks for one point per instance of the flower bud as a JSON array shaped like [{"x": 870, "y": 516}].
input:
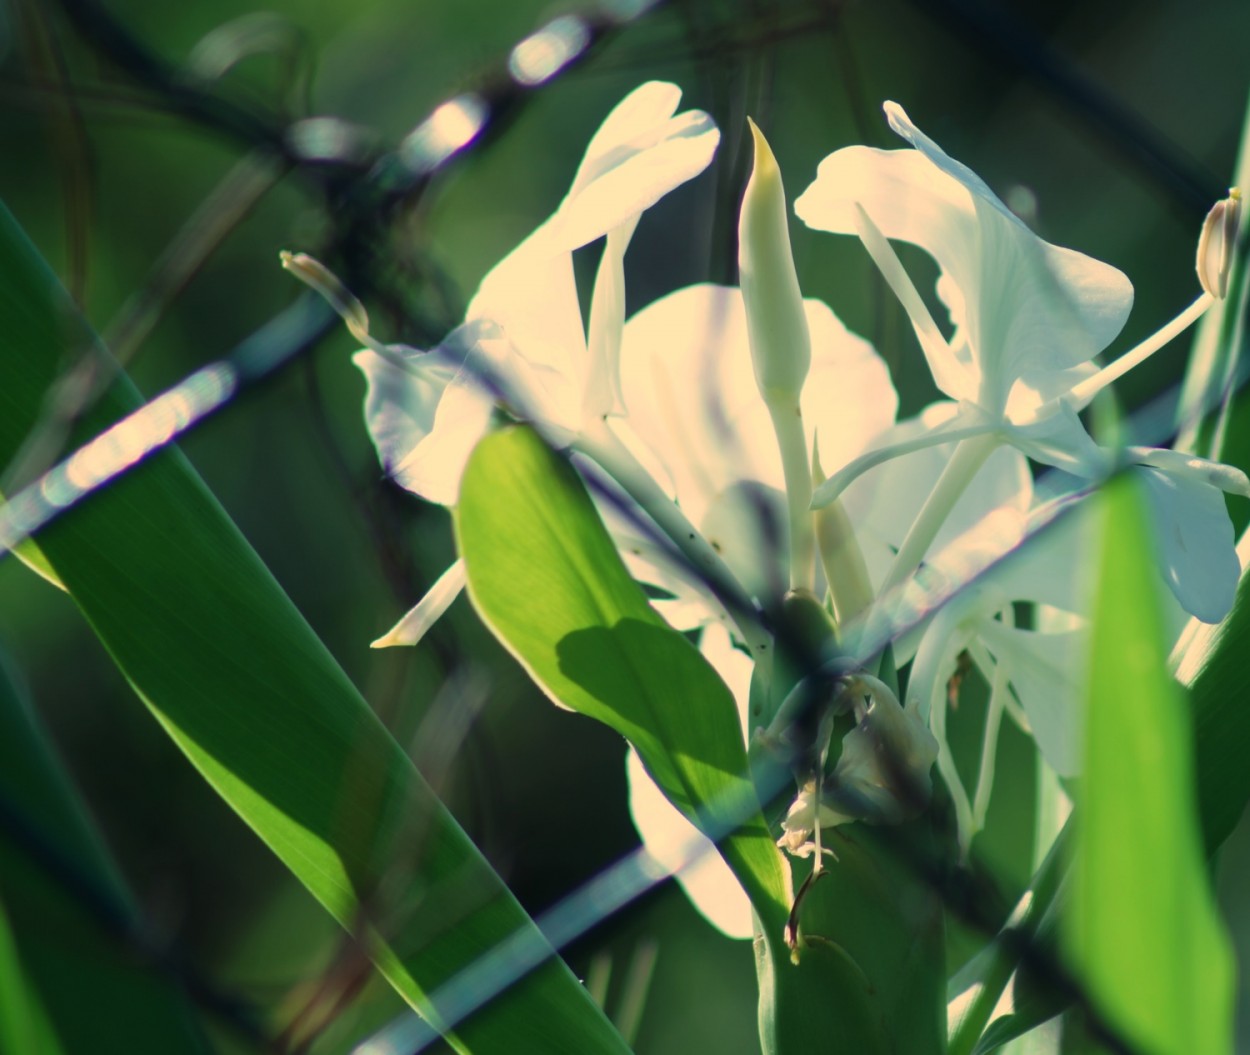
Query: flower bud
[
  {"x": 314, "y": 274},
  {"x": 1217, "y": 244},
  {"x": 776, "y": 320}
]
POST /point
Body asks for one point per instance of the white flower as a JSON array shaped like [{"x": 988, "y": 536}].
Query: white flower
[
  {"x": 693, "y": 403},
  {"x": 1027, "y": 317},
  {"x": 523, "y": 343}
]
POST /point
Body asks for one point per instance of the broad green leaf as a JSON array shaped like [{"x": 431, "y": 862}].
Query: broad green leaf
[
  {"x": 1142, "y": 931},
  {"x": 235, "y": 675},
  {"x": 84, "y": 983},
  {"x": 546, "y": 577}
]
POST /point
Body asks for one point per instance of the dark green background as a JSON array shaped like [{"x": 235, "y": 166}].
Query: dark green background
[{"x": 102, "y": 187}]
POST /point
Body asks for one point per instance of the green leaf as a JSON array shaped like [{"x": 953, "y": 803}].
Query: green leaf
[
  {"x": 548, "y": 581},
  {"x": 1142, "y": 930},
  {"x": 241, "y": 683},
  {"x": 1214, "y": 667},
  {"x": 69, "y": 941},
  {"x": 546, "y": 577}
]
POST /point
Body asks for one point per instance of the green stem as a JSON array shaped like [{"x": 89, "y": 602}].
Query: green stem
[
  {"x": 1005, "y": 955},
  {"x": 792, "y": 443},
  {"x": 969, "y": 456},
  {"x": 846, "y": 571}
]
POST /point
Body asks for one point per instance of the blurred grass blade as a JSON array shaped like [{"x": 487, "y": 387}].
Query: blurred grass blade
[
  {"x": 1215, "y": 670},
  {"x": 69, "y": 979},
  {"x": 24, "y": 1024},
  {"x": 236, "y": 676},
  {"x": 546, "y": 577},
  {"x": 1142, "y": 930},
  {"x": 1213, "y": 359}
]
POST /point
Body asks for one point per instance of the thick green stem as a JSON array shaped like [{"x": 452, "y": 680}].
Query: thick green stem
[
  {"x": 792, "y": 442},
  {"x": 846, "y": 572}
]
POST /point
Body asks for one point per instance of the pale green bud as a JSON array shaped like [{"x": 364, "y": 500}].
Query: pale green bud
[
  {"x": 1218, "y": 243},
  {"x": 776, "y": 322}
]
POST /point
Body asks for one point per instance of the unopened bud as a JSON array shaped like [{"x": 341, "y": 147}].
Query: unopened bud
[
  {"x": 776, "y": 320},
  {"x": 314, "y": 274},
  {"x": 1218, "y": 243}
]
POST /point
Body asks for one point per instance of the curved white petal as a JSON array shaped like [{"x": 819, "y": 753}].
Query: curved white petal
[
  {"x": 607, "y": 324},
  {"x": 690, "y": 391},
  {"x": 532, "y": 296},
  {"x": 1227, "y": 478},
  {"x": 1027, "y": 305},
  {"x": 631, "y": 121},
  {"x": 690, "y": 394},
  {"x": 1194, "y": 538},
  {"x": 677, "y": 844},
  {"x": 733, "y": 665},
  {"x": 1048, "y": 674},
  {"x": 642, "y": 151},
  {"x": 423, "y": 425},
  {"x": 1059, "y": 439},
  {"x": 849, "y": 399}
]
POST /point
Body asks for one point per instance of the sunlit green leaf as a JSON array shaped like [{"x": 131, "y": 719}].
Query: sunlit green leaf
[
  {"x": 548, "y": 580},
  {"x": 241, "y": 683},
  {"x": 1142, "y": 930},
  {"x": 545, "y": 575}
]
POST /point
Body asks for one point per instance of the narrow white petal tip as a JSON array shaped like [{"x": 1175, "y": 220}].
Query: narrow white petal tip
[
  {"x": 895, "y": 114},
  {"x": 417, "y": 622}
]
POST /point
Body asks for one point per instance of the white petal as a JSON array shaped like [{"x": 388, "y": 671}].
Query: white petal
[
  {"x": 673, "y": 841},
  {"x": 1048, "y": 673},
  {"x": 532, "y": 296},
  {"x": 849, "y": 398},
  {"x": 886, "y": 500},
  {"x": 640, "y": 153},
  {"x": 733, "y": 665},
  {"x": 690, "y": 391},
  {"x": 418, "y": 620},
  {"x": 1057, "y": 565},
  {"x": 1028, "y": 305},
  {"x": 1227, "y": 478},
  {"x": 1194, "y": 536},
  {"x": 423, "y": 426},
  {"x": 1059, "y": 439},
  {"x": 633, "y": 119},
  {"x": 746, "y": 524},
  {"x": 607, "y": 323}
]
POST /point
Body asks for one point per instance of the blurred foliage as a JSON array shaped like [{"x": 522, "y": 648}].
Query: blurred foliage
[{"x": 103, "y": 174}]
